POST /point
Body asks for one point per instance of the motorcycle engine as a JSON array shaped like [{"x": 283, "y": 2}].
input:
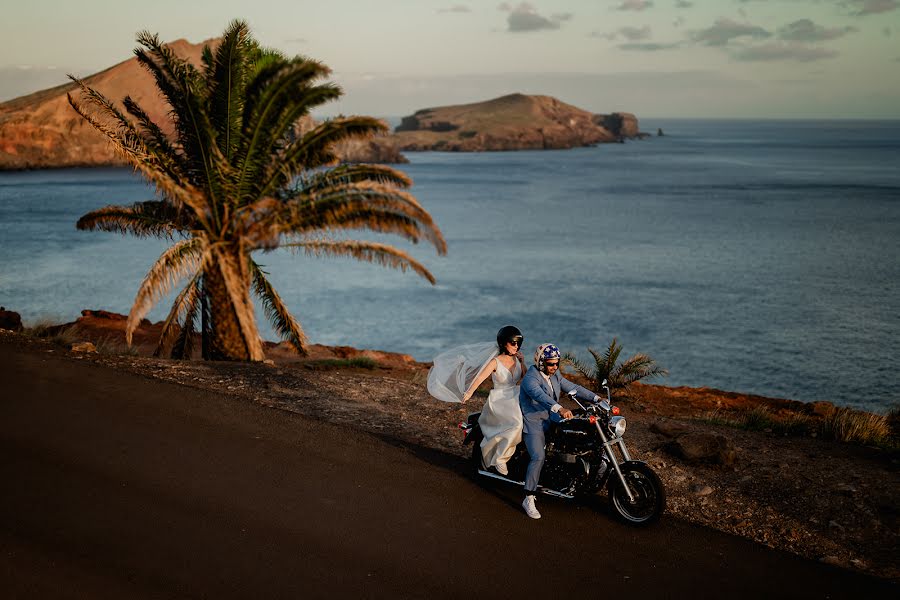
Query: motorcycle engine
[{"x": 562, "y": 471}]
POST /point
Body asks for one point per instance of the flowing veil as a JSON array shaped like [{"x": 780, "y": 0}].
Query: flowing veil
[{"x": 455, "y": 369}]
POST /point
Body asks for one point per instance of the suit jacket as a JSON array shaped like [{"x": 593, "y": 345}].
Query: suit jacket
[{"x": 537, "y": 397}]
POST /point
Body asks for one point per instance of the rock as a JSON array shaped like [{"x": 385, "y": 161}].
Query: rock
[
  {"x": 820, "y": 408},
  {"x": 701, "y": 490},
  {"x": 833, "y": 560},
  {"x": 669, "y": 429},
  {"x": 83, "y": 347},
  {"x": 703, "y": 447},
  {"x": 10, "y": 320},
  {"x": 620, "y": 124}
]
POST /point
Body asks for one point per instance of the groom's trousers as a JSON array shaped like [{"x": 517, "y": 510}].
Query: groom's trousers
[{"x": 534, "y": 441}]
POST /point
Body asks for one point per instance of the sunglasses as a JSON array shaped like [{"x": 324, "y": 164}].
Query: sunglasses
[
  {"x": 552, "y": 364},
  {"x": 515, "y": 342}
]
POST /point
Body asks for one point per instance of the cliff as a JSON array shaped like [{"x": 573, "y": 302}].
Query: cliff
[
  {"x": 41, "y": 130},
  {"x": 513, "y": 122}
]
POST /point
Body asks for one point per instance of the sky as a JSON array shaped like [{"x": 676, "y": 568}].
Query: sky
[{"x": 655, "y": 58}]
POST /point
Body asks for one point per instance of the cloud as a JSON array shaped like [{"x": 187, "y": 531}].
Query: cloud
[
  {"x": 456, "y": 8},
  {"x": 524, "y": 17},
  {"x": 632, "y": 34},
  {"x": 296, "y": 41},
  {"x": 783, "y": 51},
  {"x": 683, "y": 4},
  {"x": 647, "y": 46},
  {"x": 725, "y": 30},
  {"x": 805, "y": 30},
  {"x": 679, "y": 21},
  {"x": 861, "y": 8},
  {"x": 635, "y": 5}
]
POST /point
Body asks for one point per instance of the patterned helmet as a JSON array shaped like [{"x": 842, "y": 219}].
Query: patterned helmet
[{"x": 544, "y": 353}]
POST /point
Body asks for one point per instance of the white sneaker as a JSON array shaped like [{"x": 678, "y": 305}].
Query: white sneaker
[
  {"x": 530, "y": 509},
  {"x": 501, "y": 468}
]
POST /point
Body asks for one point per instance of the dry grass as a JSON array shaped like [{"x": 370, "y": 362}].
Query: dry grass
[
  {"x": 760, "y": 418},
  {"x": 63, "y": 337},
  {"x": 842, "y": 424},
  {"x": 850, "y": 425}
]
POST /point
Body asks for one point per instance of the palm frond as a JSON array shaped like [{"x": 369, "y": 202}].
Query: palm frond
[
  {"x": 184, "y": 345},
  {"x": 181, "y": 83},
  {"x": 350, "y": 173},
  {"x": 316, "y": 149},
  {"x": 637, "y": 367},
  {"x": 382, "y": 254},
  {"x": 581, "y": 368},
  {"x": 276, "y": 98},
  {"x": 184, "y": 304},
  {"x": 277, "y": 312},
  {"x": 127, "y": 142},
  {"x": 225, "y": 82},
  {"x": 178, "y": 261},
  {"x": 143, "y": 219},
  {"x": 156, "y": 141},
  {"x": 364, "y": 204}
]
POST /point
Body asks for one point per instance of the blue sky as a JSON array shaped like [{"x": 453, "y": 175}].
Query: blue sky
[{"x": 656, "y": 58}]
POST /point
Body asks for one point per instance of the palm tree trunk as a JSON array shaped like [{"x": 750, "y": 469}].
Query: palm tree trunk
[
  {"x": 204, "y": 323},
  {"x": 233, "y": 331}
]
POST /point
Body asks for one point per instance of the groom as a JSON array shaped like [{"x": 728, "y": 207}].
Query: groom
[{"x": 539, "y": 399}]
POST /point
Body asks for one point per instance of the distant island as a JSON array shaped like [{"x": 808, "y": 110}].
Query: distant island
[
  {"x": 41, "y": 131},
  {"x": 513, "y": 122}
]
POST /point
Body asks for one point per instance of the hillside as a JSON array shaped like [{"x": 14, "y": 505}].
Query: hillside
[{"x": 41, "y": 130}]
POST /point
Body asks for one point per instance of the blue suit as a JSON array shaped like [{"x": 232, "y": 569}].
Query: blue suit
[{"x": 536, "y": 398}]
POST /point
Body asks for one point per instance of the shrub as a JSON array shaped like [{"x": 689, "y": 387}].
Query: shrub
[
  {"x": 619, "y": 375},
  {"x": 851, "y": 425}
]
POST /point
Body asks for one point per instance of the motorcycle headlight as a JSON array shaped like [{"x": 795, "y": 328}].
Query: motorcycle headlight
[{"x": 617, "y": 425}]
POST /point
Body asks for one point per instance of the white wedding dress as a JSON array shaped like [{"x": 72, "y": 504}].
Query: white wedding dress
[{"x": 501, "y": 417}]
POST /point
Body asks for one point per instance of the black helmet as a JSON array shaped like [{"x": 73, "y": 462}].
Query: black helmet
[{"x": 508, "y": 334}]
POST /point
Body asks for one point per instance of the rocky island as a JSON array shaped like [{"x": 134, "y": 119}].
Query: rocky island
[{"x": 512, "y": 122}]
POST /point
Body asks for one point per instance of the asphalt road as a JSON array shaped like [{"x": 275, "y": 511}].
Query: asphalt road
[{"x": 117, "y": 486}]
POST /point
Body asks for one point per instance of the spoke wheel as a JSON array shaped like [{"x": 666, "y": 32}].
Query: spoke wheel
[{"x": 649, "y": 497}]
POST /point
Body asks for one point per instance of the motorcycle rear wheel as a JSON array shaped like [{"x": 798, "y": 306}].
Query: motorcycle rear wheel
[{"x": 647, "y": 490}]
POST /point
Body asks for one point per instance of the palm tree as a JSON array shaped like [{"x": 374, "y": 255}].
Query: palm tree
[
  {"x": 241, "y": 173},
  {"x": 617, "y": 374}
]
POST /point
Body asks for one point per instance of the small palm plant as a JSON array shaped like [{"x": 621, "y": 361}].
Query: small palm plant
[
  {"x": 239, "y": 174},
  {"x": 619, "y": 375}
]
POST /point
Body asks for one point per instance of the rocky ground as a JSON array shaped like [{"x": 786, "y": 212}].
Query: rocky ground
[{"x": 829, "y": 501}]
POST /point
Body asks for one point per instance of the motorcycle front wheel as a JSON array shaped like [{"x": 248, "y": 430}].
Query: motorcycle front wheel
[{"x": 649, "y": 497}]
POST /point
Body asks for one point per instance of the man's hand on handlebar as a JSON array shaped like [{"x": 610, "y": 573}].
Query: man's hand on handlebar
[{"x": 565, "y": 413}]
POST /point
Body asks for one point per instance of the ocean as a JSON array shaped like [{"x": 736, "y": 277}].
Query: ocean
[{"x": 752, "y": 256}]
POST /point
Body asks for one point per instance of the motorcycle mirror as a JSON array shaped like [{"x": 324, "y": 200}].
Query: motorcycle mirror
[
  {"x": 604, "y": 384},
  {"x": 573, "y": 393}
]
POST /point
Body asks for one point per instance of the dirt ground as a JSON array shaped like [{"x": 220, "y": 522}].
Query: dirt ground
[{"x": 838, "y": 503}]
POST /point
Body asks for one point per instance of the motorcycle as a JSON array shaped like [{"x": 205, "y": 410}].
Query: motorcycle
[{"x": 584, "y": 454}]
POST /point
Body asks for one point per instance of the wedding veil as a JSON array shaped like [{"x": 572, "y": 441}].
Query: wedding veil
[{"x": 455, "y": 369}]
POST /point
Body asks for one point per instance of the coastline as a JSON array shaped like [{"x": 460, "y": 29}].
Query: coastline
[{"x": 833, "y": 502}]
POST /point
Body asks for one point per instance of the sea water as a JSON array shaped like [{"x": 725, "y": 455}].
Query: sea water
[{"x": 753, "y": 256}]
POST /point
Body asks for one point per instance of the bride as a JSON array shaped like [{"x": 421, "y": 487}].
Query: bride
[{"x": 456, "y": 375}]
